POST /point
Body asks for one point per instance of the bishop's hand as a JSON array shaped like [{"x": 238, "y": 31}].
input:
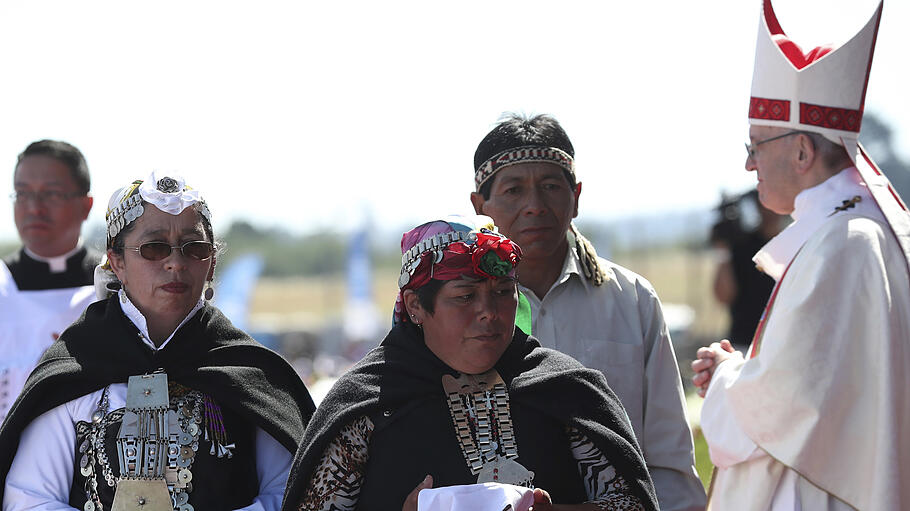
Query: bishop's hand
[{"x": 707, "y": 359}]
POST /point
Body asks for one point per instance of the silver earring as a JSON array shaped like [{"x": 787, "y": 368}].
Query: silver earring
[{"x": 209, "y": 291}]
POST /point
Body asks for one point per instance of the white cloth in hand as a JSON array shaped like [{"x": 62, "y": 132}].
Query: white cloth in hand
[{"x": 476, "y": 497}]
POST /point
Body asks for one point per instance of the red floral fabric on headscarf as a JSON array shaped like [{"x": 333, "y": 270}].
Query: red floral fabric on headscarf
[{"x": 486, "y": 254}]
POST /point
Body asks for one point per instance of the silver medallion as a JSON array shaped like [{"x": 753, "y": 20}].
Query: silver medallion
[
  {"x": 182, "y": 498},
  {"x": 184, "y": 475}
]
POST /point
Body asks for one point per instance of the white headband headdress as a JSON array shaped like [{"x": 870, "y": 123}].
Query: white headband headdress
[{"x": 168, "y": 193}]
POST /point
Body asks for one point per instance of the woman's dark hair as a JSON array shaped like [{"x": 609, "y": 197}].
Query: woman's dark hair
[
  {"x": 514, "y": 130},
  {"x": 427, "y": 293}
]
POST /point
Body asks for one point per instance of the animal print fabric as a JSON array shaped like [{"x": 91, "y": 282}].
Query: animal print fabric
[
  {"x": 335, "y": 485},
  {"x": 606, "y": 489}
]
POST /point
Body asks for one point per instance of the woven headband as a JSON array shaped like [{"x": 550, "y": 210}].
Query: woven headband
[{"x": 525, "y": 154}]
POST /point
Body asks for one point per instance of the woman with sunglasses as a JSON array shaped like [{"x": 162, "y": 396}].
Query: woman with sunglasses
[
  {"x": 460, "y": 409},
  {"x": 153, "y": 400}
]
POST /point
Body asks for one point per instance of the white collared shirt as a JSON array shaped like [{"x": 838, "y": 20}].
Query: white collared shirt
[
  {"x": 618, "y": 328},
  {"x": 138, "y": 319}
]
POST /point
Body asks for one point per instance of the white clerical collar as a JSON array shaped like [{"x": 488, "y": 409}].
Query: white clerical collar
[
  {"x": 57, "y": 264},
  {"x": 811, "y": 208},
  {"x": 139, "y": 320}
]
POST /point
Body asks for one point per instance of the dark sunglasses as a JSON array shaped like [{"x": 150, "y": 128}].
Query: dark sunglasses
[{"x": 158, "y": 250}]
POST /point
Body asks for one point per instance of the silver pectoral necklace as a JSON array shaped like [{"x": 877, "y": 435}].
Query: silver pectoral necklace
[
  {"x": 479, "y": 405},
  {"x": 156, "y": 446}
]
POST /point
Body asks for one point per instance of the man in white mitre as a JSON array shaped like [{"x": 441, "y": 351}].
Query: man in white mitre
[
  {"x": 48, "y": 282},
  {"x": 817, "y": 414}
]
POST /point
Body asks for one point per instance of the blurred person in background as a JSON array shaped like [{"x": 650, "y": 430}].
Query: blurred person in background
[
  {"x": 456, "y": 396},
  {"x": 152, "y": 399},
  {"x": 816, "y": 415},
  {"x": 47, "y": 283},
  {"x": 603, "y": 315},
  {"x": 738, "y": 284}
]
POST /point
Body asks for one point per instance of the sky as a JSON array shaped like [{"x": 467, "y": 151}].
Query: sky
[{"x": 322, "y": 115}]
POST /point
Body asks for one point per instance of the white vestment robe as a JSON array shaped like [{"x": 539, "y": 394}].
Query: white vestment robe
[
  {"x": 820, "y": 417},
  {"x": 29, "y": 322}
]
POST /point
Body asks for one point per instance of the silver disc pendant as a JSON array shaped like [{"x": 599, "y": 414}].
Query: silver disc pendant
[
  {"x": 182, "y": 498},
  {"x": 505, "y": 470},
  {"x": 85, "y": 465}
]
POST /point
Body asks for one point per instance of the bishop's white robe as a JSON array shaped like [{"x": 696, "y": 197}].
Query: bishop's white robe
[{"x": 820, "y": 418}]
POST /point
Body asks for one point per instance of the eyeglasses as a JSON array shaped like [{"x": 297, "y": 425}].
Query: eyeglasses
[
  {"x": 158, "y": 250},
  {"x": 49, "y": 197},
  {"x": 750, "y": 148}
]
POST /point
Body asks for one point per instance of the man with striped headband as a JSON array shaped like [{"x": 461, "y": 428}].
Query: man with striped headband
[
  {"x": 603, "y": 315},
  {"x": 816, "y": 415}
]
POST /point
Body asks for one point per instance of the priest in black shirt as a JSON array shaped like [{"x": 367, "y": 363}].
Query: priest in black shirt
[{"x": 47, "y": 283}]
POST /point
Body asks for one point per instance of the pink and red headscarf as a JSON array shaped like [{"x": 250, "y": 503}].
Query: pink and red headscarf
[{"x": 452, "y": 248}]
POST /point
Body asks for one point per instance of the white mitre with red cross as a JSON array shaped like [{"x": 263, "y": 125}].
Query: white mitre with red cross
[{"x": 823, "y": 91}]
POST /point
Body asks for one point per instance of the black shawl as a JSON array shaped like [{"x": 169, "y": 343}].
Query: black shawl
[
  {"x": 402, "y": 369},
  {"x": 207, "y": 354}
]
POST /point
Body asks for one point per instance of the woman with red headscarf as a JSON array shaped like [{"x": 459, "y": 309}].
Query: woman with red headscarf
[{"x": 459, "y": 409}]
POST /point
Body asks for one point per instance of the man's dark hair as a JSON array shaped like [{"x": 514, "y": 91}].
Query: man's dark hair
[
  {"x": 514, "y": 130},
  {"x": 65, "y": 153}
]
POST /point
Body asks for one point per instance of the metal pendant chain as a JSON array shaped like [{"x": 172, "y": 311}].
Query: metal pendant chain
[
  {"x": 92, "y": 449},
  {"x": 471, "y": 400},
  {"x": 174, "y": 450}
]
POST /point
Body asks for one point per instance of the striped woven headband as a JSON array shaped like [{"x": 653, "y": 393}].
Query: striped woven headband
[{"x": 525, "y": 154}]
